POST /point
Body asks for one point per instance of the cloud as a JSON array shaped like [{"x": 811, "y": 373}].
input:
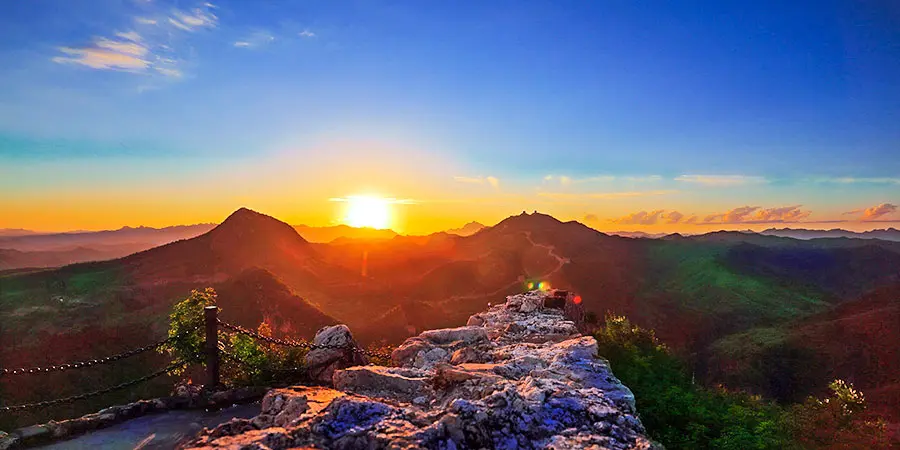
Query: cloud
[
  {"x": 567, "y": 180},
  {"x": 674, "y": 217},
  {"x": 692, "y": 219},
  {"x": 601, "y": 195},
  {"x": 875, "y": 211},
  {"x": 756, "y": 214},
  {"x": 129, "y": 36},
  {"x": 196, "y": 19},
  {"x": 174, "y": 73},
  {"x": 720, "y": 180},
  {"x": 591, "y": 218},
  {"x": 102, "y": 58},
  {"x": 256, "y": 39},
  {"x": 641, "y": 218},
  {"x": 493, "y": 181},
  {"x": 306, "y": 34},
  {"x": 864, "y": 180},
  {"x": 125, "y": 47},
  {"x": 152, "y": 51}
]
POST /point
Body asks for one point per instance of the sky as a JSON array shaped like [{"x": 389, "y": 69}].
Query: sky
[{"x": 625, "y": 115}]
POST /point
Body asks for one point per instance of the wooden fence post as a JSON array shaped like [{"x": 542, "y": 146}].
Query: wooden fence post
[{"x": 212, "y": 347}]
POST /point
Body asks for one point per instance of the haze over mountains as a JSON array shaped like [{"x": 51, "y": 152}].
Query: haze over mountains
[
  {"x": 733, "y": 303},
  {"x": 21, "y": 248}
]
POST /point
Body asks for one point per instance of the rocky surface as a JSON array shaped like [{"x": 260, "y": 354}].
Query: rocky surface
[
  {"x": 516, "y": 376},
  {"x": 323, "y": 362}
]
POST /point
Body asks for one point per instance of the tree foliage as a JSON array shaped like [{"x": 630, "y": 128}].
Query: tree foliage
[
  {"x": 683, "y": 415},
  {"x": 243, "y": 360}
]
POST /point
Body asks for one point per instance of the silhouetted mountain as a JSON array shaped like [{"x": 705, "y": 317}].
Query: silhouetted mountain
[
  {"x": 467, "y": 229},
  {"x": 12, "y": 232},
  {"x": 140, "y": 236},
  {"x": 15, "y": 259},
  {"x": 889, "y": 234},
  {"x": 329, "y": 234},
  {"x": 637, "y": 234}
]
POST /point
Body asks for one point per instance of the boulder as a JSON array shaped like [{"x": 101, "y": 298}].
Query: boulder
[{"x": 322, "y": 362}]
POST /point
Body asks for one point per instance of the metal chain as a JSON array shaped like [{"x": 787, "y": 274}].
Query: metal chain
[
  {"x": 94, "y": 362},
  {"x": 302, "y": 344},
  {"x": 74, "y": 398}
]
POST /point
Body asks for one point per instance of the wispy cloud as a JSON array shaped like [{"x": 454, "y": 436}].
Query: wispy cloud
[
  {"x": 256, "y": 39},
  {"x": 650, "y": 217},
  {"x": 640, "y": 218},
  {"x": 874, "y": 212},
  {"x": 195, "y": 19},
  {"x": 125, "y": 54},
  {"x": 721, "y": 180},
  {"x": 567, "y": 180},
  {"x": 756, "y": 214},
  {"x": 306, "y": 34},
  {"x": 743, "y": 214},
  {"x": 858, "y": 180},
  {"x": 602, "y": 195},
  {"x": 143, "y": 50},
  {"x": 489, "y": 180}
]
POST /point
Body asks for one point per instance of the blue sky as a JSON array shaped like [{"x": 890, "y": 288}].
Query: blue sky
[{"x": 573, "y": 107}]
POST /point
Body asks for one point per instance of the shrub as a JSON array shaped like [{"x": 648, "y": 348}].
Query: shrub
[{"x": 244, "y": 360}]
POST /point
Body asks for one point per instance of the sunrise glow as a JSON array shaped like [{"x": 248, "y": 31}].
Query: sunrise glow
[{"x": 368, "y": 211}]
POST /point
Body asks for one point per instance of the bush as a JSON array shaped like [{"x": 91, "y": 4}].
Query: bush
[
  {"x": 187, "y": 319},
  {"x": 244, "y": 360},
  {"x": 836, "y": 422}
]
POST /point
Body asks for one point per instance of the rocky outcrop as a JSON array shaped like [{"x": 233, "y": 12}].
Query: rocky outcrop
[
  {"x": 322, "y": 362},
  {"x": 517, "y": 376}
]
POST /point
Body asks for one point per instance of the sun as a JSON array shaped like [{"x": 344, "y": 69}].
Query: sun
[{"x": 368, "y": 211}]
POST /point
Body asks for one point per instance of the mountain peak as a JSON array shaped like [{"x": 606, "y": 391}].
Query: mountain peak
[{"x": 249, "y": 226}]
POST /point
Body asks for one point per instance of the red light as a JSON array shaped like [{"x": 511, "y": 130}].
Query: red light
[{"x": 577, "y": 300}]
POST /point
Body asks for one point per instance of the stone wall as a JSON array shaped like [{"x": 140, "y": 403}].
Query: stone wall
[{"x": 518, "y": 376}]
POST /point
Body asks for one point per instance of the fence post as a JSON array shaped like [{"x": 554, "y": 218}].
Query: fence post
[{"x": 212, "y": 347}]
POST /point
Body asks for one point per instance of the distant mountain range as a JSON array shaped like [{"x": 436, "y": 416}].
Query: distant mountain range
[
  {"x": 889, "y": 234},
  {"x": 467, "y": 229},
  {"x": 717, "y": 296}
]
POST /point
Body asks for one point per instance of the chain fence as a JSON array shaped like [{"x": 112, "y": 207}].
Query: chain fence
[
  {"x": 303, "y": 344},
  {"x": 86, "y": 395},
  {"x": 222, "y": 351},
  {"x": 94, "y": 362}
]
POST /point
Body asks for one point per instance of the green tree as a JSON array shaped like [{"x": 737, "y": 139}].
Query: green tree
[
  {"x": 675, "y": 411},
  {"x": 187, "y": 320},
  {"x": 839, "y": 421}
]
